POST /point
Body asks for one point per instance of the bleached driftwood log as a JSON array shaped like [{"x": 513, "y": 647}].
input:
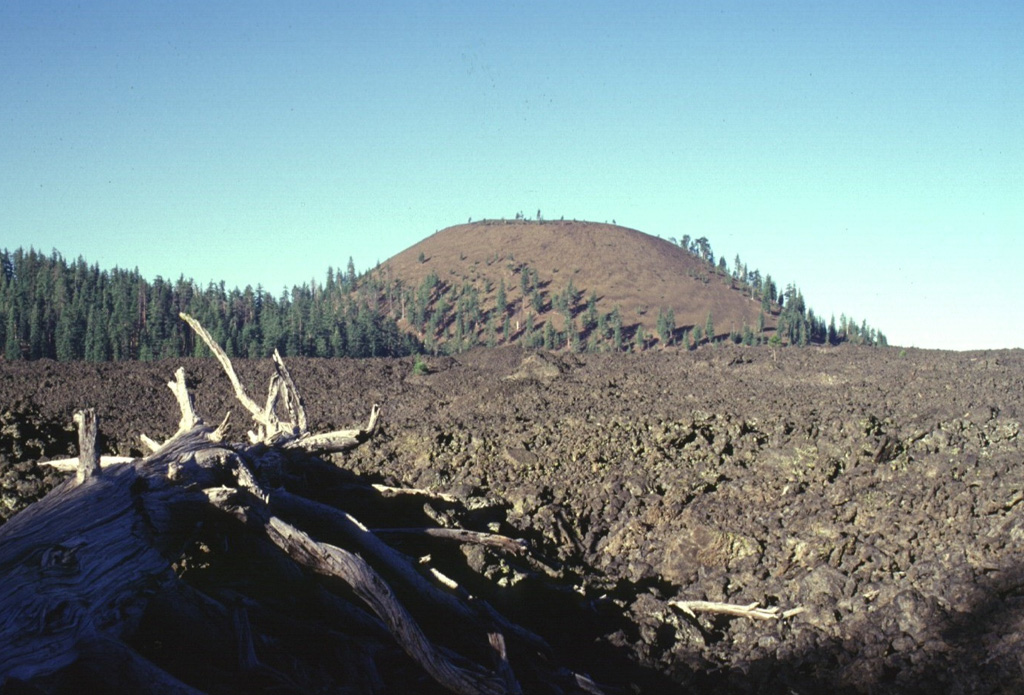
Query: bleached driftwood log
[{"x": 194, "y": 569}]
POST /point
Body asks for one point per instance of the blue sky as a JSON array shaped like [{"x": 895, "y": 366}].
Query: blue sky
[{"x": 870, "y": 152}]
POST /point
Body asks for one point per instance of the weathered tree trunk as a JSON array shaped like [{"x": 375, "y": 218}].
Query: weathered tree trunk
[{"x": 195, "y": 570}]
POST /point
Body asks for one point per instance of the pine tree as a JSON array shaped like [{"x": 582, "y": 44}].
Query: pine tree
[
  {"x": 66, "y": 349},
  {"x": 350, "y": 275},
  {"x": 502, "y": 300},
  {"x": 319, "y": 331},
  {"x": 574, "y": 336},
  {"x": 36, "y": 332},
  {"x": 615, "y": 319},
  {"x": 491, "y": 331},
  {"x": 97, "y": 348},
  {"x": 369, "y": 332},
  {"x": 590, "y": 320},
  {"x": 439, "y": 317},
  {"x": 459, "y": 333},
  {"x": 767, "y": 294},
  {"x": 571, "y": 299},
  {"x": 272, "y": 326},
  {"x": 6, "y": 267},
  {"x": 666, "y": 325},
  {"x": 537, "y": 301},
  {"x": 12, "y": 345}
]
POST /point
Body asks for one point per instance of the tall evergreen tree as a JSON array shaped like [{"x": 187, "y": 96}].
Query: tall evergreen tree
[
  {"x": 350, "y": 275},
  {"x": 12, "y": 344},
  {"x": 590, "y": 319},
  {"x": 549, "y": 335},
  {"x": 97, "y": 347},
  {"x": 501, "y": 300},
  {"x": 666, "y": 325},
  {"x": 615, "y": 321}
]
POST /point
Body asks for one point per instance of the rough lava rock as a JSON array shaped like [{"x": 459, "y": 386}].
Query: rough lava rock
[{"x": 878, "y": 490}]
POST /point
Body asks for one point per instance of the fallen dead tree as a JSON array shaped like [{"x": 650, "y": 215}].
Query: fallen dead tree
[{"x": 206, "y": 567}]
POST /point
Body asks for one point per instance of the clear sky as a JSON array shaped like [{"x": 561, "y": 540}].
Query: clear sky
[{"x": 870, "y": 152}]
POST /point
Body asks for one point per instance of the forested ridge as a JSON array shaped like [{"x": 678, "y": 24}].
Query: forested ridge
[
  {"x": 56, "y": 309},
  {"x": 52, "y": 308}
]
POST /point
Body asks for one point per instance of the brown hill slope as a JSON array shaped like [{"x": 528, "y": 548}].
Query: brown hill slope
[{"x": 636, "y": 272}]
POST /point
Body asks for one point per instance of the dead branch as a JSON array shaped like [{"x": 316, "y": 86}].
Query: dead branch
[
  {"x": 503, "y": 667},
  {"x": 218, "y": 434},
  {"x": 752, "y": 610},
  {"x": 389, "y": 491},
  {"x": 88, "y": 456},
  {"x": 260, "y": 415},
  {"x": 290, "y": 394},
  {"x": 368, "y": 585},
  {"x": 189, "y": 419},
  {"x": 458, "y": 535},
  {"x": 69, "y": 465},
  {"x": 336, "y": 442},
  {"x": 149, "y": 443},
  {"x": 289, "y": 434}
]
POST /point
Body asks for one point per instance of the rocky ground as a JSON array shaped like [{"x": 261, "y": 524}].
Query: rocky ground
[{"x": 876, "y": 492}]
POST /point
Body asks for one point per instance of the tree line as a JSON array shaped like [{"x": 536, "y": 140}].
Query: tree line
[
  {"x": 56, "y": 309},
  {"x": 797, "y": 323}
]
